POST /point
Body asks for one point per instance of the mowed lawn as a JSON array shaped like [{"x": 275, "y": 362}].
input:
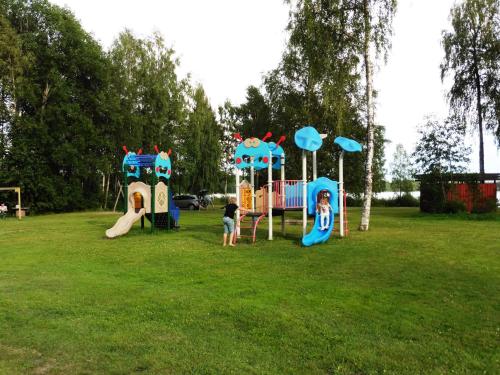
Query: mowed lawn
[{"x": 416, "y": 294}]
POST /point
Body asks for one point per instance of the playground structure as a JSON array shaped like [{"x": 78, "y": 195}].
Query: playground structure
[
  {"x": 277, "y": 197},
  {"x": 17, "y": 190},
  {"x": 154, "y": 200}
]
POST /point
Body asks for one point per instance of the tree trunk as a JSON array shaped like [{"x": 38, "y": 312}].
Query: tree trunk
[
  {"x": 479, "y": 115},
  {"x": 370, "y": 126},
  {"x": 477, "y": 82}
]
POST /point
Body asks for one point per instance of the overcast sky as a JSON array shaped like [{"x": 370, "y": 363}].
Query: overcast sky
[{"x": 226, "y": 45}]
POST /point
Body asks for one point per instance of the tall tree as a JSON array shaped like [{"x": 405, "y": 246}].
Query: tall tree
[
  {"x": 318, "y": 83},
  {"x": 375, "y": 31},
  {"x": 472, "y": 57},
  {"x": 148, "y": 103},
  {"x": 440, "y": 147},
  {"x": 54, "y": 143},
  {"x": 228, "y": 121},
  {"x": 12, "y": 65},
  {"x": 200, "y": 166}
]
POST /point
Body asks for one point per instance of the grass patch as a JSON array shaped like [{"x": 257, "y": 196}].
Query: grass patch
[{"x": 416, "y": 294}]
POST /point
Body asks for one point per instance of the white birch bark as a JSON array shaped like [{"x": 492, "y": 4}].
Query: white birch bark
[{"x": 370, "y": 126}]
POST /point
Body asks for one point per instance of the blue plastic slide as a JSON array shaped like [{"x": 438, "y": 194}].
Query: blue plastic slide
[{"x": 316, "y": 235}]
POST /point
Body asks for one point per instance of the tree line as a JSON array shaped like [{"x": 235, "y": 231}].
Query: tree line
[{"x": 67, "y": 105}]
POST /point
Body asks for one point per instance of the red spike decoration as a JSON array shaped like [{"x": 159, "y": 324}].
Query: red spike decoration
[
  {"x": 169, "y": 152},
  {"x": 156, "y": 149},
  {"x": 139, "y": 152},
  {"x": 267, "y": 136},
  {"x": 124, "y": 148},
  {"x": 238, "y": 137},
  {"x": 281, "y": 140}
]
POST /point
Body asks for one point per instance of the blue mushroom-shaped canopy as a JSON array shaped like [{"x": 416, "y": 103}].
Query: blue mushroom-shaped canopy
[
  {"x": 252, "y": 148},
  {"x": 308, "y": 139},
  {"x": 347, "y": 144},
  {"x": 163, "y": 165}
]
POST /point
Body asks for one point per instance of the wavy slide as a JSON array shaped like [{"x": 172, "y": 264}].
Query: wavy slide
[
  {"x": 125, "y": 222},
  {"x": 316, "y": 235}
]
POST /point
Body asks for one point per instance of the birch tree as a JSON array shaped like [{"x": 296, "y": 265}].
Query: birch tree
[
  {"x": 376, "y": 16},
  {"x": 472, "y": 57}
]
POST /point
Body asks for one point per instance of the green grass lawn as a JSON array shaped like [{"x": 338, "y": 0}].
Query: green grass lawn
[{"x": 416, "y": 294}]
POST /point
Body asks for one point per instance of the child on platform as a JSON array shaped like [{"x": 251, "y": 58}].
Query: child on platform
[
  {"x": 323, "y": 209},
  {"x": 228, "y": 221}
]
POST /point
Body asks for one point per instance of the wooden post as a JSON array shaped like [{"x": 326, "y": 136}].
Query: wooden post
[
  {"x": 18, "y": 191},
  {"x": 125, "y": 192},
  {"x": 120, "y": 191}
]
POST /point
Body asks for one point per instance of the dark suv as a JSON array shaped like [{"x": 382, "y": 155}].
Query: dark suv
[{"x": 187, "y": 202}]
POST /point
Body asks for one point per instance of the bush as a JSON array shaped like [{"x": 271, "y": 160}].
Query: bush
[
  {"x": 354, "y": 201},
  {"x": 406, "y": 200},
  {"x": 432, "y": 199},
  {"x": 454, "y": 207},
  {"x": 485, "y": 206}
]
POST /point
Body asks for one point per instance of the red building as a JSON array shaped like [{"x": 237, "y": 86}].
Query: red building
[{"x": 478, "y": 192}]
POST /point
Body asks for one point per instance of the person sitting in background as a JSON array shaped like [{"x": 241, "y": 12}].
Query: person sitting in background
[{"x": 3, "y": 210}]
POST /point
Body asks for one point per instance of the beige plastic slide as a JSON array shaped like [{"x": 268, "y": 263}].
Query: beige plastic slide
[{"x": 124, "y": 223}]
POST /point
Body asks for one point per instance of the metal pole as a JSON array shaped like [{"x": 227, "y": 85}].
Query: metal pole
[
  {"x": 270, "y": 195},
  {"x": 252, "y": 181},
  {"x": 283, "y": 193},
  {"x": 153, "y": 192},
  {"x": 125, "y": 191},
  {"x": 168, "y": 204},
  {"x": 238, "y": 203},
  {"x": 283, "y": 185},
  {"x": 304, "y": 193},
  {"x": 315, "y": 167},
  {"x": 341, "y": 193}
]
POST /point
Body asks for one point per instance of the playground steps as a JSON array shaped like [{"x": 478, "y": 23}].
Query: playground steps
[{"x": 256, "y": 218}]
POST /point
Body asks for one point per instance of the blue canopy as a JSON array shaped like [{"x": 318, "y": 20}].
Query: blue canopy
[
  {"x": 308, "y": 139},
  {"x": 349, "y": 145}
]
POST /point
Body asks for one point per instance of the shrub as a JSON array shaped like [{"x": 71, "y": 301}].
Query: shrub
[
  {"x": 485, "y": 206},
  {"x": 406, "y": 200},
  {"x": 454, "y": 207}
]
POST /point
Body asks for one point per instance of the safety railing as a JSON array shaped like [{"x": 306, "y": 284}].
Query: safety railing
[{"x": 286, "y": 194}]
